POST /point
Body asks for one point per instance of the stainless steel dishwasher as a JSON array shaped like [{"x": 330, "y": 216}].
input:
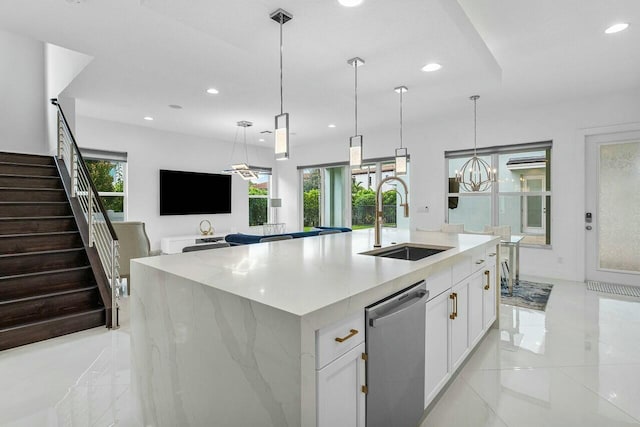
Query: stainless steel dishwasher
[{"x": 395, "y": 333}]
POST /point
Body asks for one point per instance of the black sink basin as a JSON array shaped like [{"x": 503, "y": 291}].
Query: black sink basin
[{"x": 407, "y": 252}]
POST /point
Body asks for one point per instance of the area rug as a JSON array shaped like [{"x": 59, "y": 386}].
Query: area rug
[{"x": 527, "y": 294}]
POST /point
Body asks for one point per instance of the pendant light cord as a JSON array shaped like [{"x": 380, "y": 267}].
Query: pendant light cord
[
  {"x": 246, "y": 151},
  {"x": 355, "y": 65},
  {"x": 401, "y": 117},
  {"x": 281, "y": 96},
  {"x": 475, "y": 124}
]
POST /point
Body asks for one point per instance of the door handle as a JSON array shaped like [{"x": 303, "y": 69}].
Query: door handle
[{"x": 487, "y": 274}]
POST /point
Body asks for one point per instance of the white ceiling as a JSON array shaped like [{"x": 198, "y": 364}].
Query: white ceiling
[{"x": 152, "y": 53}]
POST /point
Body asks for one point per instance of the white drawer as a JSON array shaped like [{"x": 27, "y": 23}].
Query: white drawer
[
  {"x": 491, "y": 253},
  {"x": 335, "y": 340},
  {"x": 478, "y": 259},
  {"x": 438, "y": 282},
  {"x": 462, "y": 268}
]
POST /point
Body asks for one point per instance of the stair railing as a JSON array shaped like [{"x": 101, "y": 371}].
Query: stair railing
[{"x": 102, "y": 236}]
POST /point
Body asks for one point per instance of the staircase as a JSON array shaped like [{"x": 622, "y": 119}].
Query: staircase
[{"x": 47, "y": 285}]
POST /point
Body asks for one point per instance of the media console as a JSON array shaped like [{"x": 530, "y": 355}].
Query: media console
[{"x": 175, "y": 244}]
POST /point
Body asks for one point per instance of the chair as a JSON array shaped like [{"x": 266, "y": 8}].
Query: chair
[
  {"x": 452, "y": 228},
  {"x": 134, "y": 243},
  {"x": 323, "y": 232},
  {"x": 504, "y": 231},
  {"x": 205, "y": 247},
  {"x": 275, "y": 238}
]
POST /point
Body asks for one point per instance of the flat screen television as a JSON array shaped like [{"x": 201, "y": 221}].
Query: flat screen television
[{"x": 188, "y": 193}]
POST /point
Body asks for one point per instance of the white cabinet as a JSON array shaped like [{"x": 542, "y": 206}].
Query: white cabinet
[
  {"x": 459, "y": 339},
  {"x": 340, "y": 373},
  {"x": 476, "y": 307},
  {"x": 458, "y": 317},
  {"x": 341, "y": 399},
  {"x": 437, "y": 344},
  {"x": 489, "y": 297}
]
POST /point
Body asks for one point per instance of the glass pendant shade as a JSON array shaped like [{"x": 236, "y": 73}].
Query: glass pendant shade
[
  {"x": 282, "y": 136},
  {"x": 355, "y": 151},
  {"x": 401, "y": 161}
]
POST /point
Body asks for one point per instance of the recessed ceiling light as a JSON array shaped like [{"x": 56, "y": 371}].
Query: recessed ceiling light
[
  {"x": 332, "y": 125},
  {"x": 616, "y": 28},
  {"x": 175, "y": 106},
  {"x": 431, "y": 67},
  {"x": 212, "y": 91},
  {"x": 148, "y": 118},
  {"x": 350, "y": 3},
  {"x": 261, "y": 140}
]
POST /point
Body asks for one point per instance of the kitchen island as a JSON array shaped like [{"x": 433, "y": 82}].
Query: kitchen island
[{"x": 231, "y": 337}]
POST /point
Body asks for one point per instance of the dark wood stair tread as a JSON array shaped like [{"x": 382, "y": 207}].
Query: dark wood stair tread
[
  {"x": 49, "y": 295},
  {"x": 54, "y": 251},
  {"x": 51, "y": 233},
  {"x": 34, "y": 218},
  {"x": 27, "y": 333},
  {"x": 26, "y": 164},
  {"x": 45, "y": 272}
]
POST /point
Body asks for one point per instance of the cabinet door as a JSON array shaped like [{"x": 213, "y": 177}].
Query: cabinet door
[
  {"x": 476, "y": 303},
  {"x": 341, "y": 400},
  {"x": 437, "y": 345},
  {"x": 460, "y": 324},
  {"x": 489, "y": 297}
]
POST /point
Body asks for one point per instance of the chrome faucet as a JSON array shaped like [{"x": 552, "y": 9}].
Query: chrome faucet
[{"x": 378, "y": 222}]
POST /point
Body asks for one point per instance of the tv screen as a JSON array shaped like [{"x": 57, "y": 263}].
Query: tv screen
[{"x": 186, "y": 193}]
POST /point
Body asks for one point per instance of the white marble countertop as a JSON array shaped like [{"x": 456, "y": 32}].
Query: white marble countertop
[{"x": 303, "y": 275}]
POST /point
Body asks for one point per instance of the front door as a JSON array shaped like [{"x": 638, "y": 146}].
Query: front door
[{"x": 612, "y": 214}]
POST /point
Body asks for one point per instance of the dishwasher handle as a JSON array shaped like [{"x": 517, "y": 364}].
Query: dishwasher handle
[{"x": 420, "y": 297}]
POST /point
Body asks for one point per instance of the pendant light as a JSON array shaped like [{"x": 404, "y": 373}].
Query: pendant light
[
  {"x": 355, "y": 142},
  {"x": 475, "y": 174},
  {"x": 401, "y": 153},
  {"x": 243, "y": 169},
  {"x": 281, "y": 16}
]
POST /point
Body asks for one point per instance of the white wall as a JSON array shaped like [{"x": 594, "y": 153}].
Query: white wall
[
  {"x": 497, "y": 125},
  {"x": 61, "y": 67},
  {"x": 22, "y": 99},
  {"x": 151, "y": 150}
]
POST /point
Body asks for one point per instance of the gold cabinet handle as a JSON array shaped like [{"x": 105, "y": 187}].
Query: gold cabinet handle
[
  {"x": 480, "y": 261},
  {"x": 453, "y": 309},
  {"x": 456, "y": 295},
  {"x": 492, "y": 254},
  {"x": 487, "y": 273},
  {"x": 351, "y": 334}
]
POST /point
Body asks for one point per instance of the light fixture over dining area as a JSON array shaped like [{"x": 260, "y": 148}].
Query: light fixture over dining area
[
  {"x": 475, "y": 174},
  {"x": 281, "y": 16}
]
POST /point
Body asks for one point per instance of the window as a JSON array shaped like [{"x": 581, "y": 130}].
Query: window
[
  {"x": 335, "y": 195},
  {"x": 520, "y": 198},
  {"x": 363, "y": 195},
  {"x": 108, "y": 171},
  {"x": 259, "y": 200}
]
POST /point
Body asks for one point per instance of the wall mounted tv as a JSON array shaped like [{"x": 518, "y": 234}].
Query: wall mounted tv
[{"x": 187, "y": 193}]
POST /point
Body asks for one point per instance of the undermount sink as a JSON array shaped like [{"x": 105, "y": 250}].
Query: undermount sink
[{"x": 406, "y": 251}]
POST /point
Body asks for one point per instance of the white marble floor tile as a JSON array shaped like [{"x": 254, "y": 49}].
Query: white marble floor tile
[
  {"x": 466, "y": 410},
  {"x": 544, "y": 397},
  {"x": 620, "y": 385}
]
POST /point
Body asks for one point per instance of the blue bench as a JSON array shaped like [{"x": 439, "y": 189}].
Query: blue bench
[{"x": 247, "y": 239}]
